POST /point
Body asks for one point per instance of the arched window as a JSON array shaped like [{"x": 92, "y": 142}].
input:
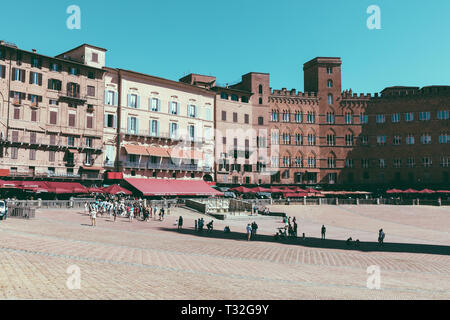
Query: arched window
[
  {"x": 330, "y": 99},
  {"x": 260, "y": 89},
  {"x": 330, "y": 83},
  {"x": 260, "y": 100}
]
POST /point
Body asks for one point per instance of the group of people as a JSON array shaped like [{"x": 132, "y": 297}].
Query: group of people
[
  {"x": 289, "y": 230},
  {"x": 251, "y": 230},
  {"x": 125, "y": 208},
  {"x": 200, "y": 224}
]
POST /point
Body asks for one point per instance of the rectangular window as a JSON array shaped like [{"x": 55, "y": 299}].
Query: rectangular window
[
  {"x": 155, "y": 104},
  {"x": 33, "y": 115},
  {"x": 32, "y": 154},
  {"x": 91, "y": 91},
  {"x": 72, "y": 118},
  {"x": 444, "y": 138},
  {"x": 443, "y": 115},
  {"x": 224, "y": 116},
  {"x": 71, "y": 141},
  {"x": 32, "y": 137},
  {"x": 17, "y": 113},
  {"x": 191, "y": 132},
  {"x": 173, "y": 130},
  {"x": 51, "y": 156},
  {"x": 132, "y": 100},
  {"x": 364, "y": 119},
  {"x": 109, "y": 99},
  {"x": 396, "y": 118},
  {"x": 425, "y": 138},
  {"x": 380, "y": 118},
  {"x": 410, "y": 139},
  {"x": 246, "y": 118},
  {"x": 235, "y": 117},
  {"x": 381, "y": 140},
  {"x": 154, "y": 128},
  {"x": 18, "y": 75},
  {"x": 173, "y": 107},
  {"x": 409, "y": 116},
  {"x": 94, "y": 57},
  {"x": 89, "y": 122},
  {"x": 14, "y": 153},
  {"x": 53, "y": 117},
  {"x": 36, "y": 78},
  {"x": 397, "y": 140},
  {"x": 53, "y": 139},
  {"x": 424, "y": 116},
  {"x": 192, "y": 111}
]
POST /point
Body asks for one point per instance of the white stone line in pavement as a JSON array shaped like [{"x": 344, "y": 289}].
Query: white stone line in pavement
[{"x": 213, "y": 274}]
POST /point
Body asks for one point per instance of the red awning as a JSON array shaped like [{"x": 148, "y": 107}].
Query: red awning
[
  {"x": 427, "y": 191},
  {"x": 410, "y": 191},
  {"x": 116, "y": 189},
  {"x": 95, "y": 190},
  {"x": 4, "y": 172},
  {"x": 276, "y": 190},
  {"x": 295, "y": 194},
  {"x": 394, "y": 191},
  {"x": 260, "y": 189},
  {"x": 166, "y": 187},
  {"x": 242, "y": 190},
  {"x": 66, "y": 187}
]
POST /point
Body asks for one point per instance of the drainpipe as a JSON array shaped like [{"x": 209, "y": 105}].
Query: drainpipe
[
  {"x": 9, "y": 100},
  {"x": 119, "y": 119}
]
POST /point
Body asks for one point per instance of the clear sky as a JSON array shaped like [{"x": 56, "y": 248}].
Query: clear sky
[{"x": 230, "y": 38}]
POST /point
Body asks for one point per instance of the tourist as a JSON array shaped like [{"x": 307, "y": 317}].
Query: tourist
[
  {"x": 381, "y": 236},
  {"x": 196, "y": 228},
  {"x": 349, "y": 241},
  {"x": 295, "y": 228},
  {"x": 324, "y": 230},
  {"x": 226, "y": 229},
  {"x": 254, "y": 228},
  {"x": 168, "y": 208},
  {"x": 180, "y": 223},
  {"x": 210, "y": 226},
  {"x": 131, "y": 213},
  {"x": 93, "y": 216},
  {"x": 249, "y": 232}
]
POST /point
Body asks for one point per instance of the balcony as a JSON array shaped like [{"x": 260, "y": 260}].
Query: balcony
[
  {"x": 17, "y": 102},
  {"x": 163, "y": 135},
  {"x": 166, "y": 166},
  {"x": 71, "y": 97}
]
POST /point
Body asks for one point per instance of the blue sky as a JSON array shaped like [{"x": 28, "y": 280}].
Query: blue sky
[{"x": 230, "y": 38}]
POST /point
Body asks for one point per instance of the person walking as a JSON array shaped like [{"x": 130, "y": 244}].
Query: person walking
[
  {"x": 93, "y": 216},
  {"x": 131, "y": 213},
  {"x": 381, "y": 236},
  {"x": 196, "y": 225},
  {"x": 295, "y": 228},
  {"x": 249, "y": 232},
  {"x": 323, "y": 231},
  {"x": 180, "y": 223}
]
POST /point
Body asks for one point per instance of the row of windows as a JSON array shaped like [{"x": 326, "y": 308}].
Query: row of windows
[
  {"x": 349, "y": 117},
  {"x": 299, "y": 162},
  {"x": 410, "y": 139},
  {"x": 174, "y": 129},
  {"x": 235, "y": 117},
  {"x": 51, "y": 139},
  {"x": 154, "y": 104},
  {"x": 233, "y": 97},
  {"x": 409, "y": 116},
  {"x": 52, "y": 117}
]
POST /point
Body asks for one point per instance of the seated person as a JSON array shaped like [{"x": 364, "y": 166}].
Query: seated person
[
  {"x": 349, "y": 241},
  {"x": 227, "y": 229}
]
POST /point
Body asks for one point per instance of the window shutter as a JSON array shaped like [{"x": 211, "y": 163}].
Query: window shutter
[
  {"x": 3, "y": 72},
  {"x": 106, "y": 96},
  {"x": 23, "y": 75},
  {"x": 138, "y": 102},
  {"x": 31, "y": 77},
  {"x": 39, "y": 98},
  {"x": 129, "y": 123},
  {"x": 13, "y": 74},
  {"x": 157, "y": 128},
  {"x": 106, "y": 120},
  {"x": 129, "y": 100},
  {"x": 150, "y": 104},
  {"x": 40, "y": 79},
  {"x": 115, "y": 121},
  {"x": 23, "y": 96},
  {"x": 137, "y": 125},
  {"x": 116, "y": 96},
  {"x": 50, "y": 83}
]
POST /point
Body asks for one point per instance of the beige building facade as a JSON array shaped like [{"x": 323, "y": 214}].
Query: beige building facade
[
  {"x": 164, "y": 128},
  {"x": 49, "y": 112}
]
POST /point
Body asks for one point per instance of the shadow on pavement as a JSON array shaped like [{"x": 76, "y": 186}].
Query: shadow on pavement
[{"x": 324, "y": 244}]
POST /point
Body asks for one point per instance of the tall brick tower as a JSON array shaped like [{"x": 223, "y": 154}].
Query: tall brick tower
[{"x": 323, "y": 76}]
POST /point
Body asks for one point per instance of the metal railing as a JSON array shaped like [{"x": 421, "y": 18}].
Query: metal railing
[{"x": 21, "y": 212}]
